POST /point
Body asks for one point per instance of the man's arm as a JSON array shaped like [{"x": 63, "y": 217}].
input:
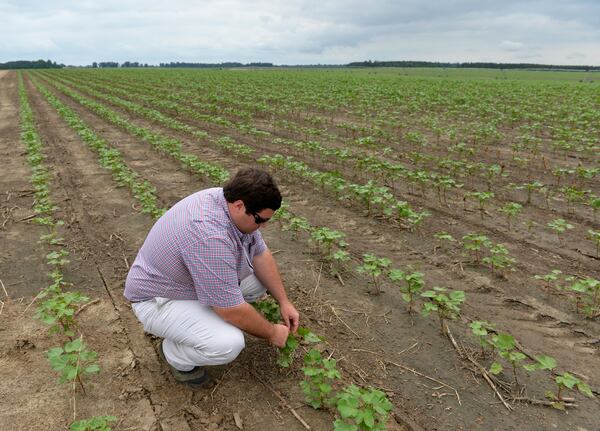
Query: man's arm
[
  {"x": 245, "y": 317},
  {"x": 265, "y": 269}
]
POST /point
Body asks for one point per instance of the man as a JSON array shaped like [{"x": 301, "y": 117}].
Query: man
[{"x": 200, "y": 265}]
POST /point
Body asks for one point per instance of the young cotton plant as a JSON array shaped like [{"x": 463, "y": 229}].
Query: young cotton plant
[
  {"x": 320, "y": 375},
  {"x": 73, "y": 361},
  {"x": 286, "y": 353},
  {"x": 412, "y": 286},
  {"x": 550, "y": 279},
  {"x": 482, "y": 198},
  {"x": 330, "y": 244},
  {"x": 511, "y": 210},
  {"x": 482, "y": 330},
  {"x": 506, "y": 346},
  {"x": 59, "y": 309},
  {"x": 474, "y": 242},
  {"x": 362, "y": 409},
  {"x": 96, "y": 423},
  {"x": 374, "y": 267},
  {"x": 587, "y": 293},
  {"x": 499, "y": 259},
  {"x": 559, "y": 226},
  {"x": 445, "y": 303},
  {"x": 594, "y": 236},
  {"x": 568, "y": 381}
]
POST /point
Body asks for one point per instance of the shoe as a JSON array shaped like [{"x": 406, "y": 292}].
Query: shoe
[{"x": 195, "y": 377}]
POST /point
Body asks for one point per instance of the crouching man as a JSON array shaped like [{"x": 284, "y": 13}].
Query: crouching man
[{"x": 202, "y": 263}]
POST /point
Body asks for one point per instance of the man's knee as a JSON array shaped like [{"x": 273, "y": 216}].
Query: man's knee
[{"x": 224, "y": 349}]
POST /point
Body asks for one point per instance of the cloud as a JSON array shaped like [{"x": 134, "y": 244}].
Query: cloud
[{"x": 300, "y": 31}]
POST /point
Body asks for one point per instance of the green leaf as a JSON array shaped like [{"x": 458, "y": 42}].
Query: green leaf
[
  {"x": 496, "y": 368},
  {"x": 585, "y": 389},
  {"x": 347, "y": 409},
  {"x": 94, "y": 368},
  {"x": 567, "y": 380},
  {"x": 340, "y": 425},
  {"x": 546, "y": 362}
]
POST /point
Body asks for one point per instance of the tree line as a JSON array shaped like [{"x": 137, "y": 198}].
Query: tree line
[
  {"x": 27, "y": 64},
  {"x": 478, "y": 65},
  {"x": 48, "y": 64}
]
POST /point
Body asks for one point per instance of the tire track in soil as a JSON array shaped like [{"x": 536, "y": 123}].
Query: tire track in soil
[
  {"x": 476, "y": 277},
  {"x": 354, "y": 299},
  {"x": 96, "y": 211}
]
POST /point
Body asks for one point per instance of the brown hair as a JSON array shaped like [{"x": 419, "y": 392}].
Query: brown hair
[{"x": 255, "y": 187}]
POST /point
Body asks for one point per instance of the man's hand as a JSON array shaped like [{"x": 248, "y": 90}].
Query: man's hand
[
  {"x": 290, "y": 316},
  {"x": 279, "y": 335}
]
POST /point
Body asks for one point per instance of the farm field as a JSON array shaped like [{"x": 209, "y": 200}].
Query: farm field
[{"x": 395, "y": 182}]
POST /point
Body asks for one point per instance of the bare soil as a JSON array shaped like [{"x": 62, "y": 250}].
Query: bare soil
[{"x": 375, "y": 341}]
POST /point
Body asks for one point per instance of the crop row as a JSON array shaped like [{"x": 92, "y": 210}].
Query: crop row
[
  {"x": 57, "y": 306},
  {"x": 381, "y": 168}
]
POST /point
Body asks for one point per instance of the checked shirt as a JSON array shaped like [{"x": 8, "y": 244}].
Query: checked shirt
[{"x": 195, "y": 251}]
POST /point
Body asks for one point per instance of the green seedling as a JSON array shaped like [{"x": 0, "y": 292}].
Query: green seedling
[
  {"x": 588, "y": 295},
  {"x": 362, "y": 410},
  {"x": 559, "y": 226},
  {"x": 338, "y": 262},
  {"x": 499, "y": 258},
  {"x": 594, "y": 203},
  {"x": 96, "y": 423},
  {"x": 374, "y": 267},
  {"x": 482, "y": 329},
  {"x": 594, "y": 236},
  {"x": 573, "y": 196},
  {"x": 59, "y": 309},
  {"x": 73, "y": 361},
  {"x": 320, "y": 375},
  {"x": 549, "y": 279},
  {"x": 57, "y": 258},
  {"x": 567, "y": 381},
  {"x": 326, "y": 239},
  {"x": 286, "y": 353},
  {"x": 412, "y": 286},
  {"x": 473, "y": 243},
  {"x": 269, "y": 309},
  {"x": 506, "y": 346},
  {"x": 482, "y": 198},
  {"x": 531, "y": 187},
  {"x": 511, "y": 210},
  {"x": 297, "y": 225},
  {"x": 447, "y": 306},
  {"x": 283, "y": 214},
  {"x": 444, "y": 236}
]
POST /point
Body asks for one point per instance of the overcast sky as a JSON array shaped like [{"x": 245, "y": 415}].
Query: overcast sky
[{"x": 301, "y": 31}]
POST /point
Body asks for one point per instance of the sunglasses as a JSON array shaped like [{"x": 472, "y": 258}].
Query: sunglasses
[{"x": 258, "y": 219}]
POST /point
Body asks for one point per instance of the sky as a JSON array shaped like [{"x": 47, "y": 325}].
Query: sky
[{"x": 301, "y": 31}]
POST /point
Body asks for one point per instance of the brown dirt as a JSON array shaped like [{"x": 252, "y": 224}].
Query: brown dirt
[{"x": 368, "y": 334}]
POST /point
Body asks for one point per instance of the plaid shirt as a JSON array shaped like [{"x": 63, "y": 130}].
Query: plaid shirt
[{"x": 195, "y": 251}]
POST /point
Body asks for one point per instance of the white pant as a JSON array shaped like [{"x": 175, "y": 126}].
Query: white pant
[{"x": 193, "y": 333}]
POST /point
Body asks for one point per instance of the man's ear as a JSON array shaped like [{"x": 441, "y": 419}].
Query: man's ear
[{"x": 238, "y": 205}]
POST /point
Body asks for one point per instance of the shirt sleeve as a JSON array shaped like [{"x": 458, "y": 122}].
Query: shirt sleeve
[{"x": 212, "y": 264}]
